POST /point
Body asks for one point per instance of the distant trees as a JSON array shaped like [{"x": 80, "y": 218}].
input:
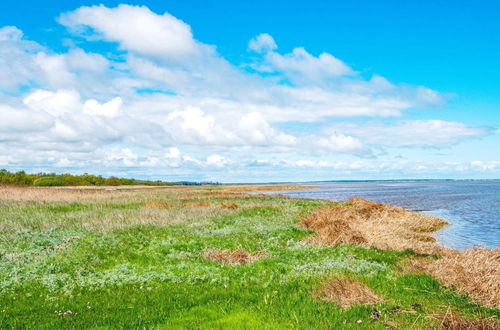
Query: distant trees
[
  {"x": 112, "y": 181},
  {"x": 52, "y": 179}
]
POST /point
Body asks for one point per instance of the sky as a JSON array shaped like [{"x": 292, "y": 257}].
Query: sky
[{"x": 251, "y": 91}]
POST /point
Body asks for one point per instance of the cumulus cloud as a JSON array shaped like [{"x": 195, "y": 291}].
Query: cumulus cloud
[
  {"x": 135, "y": 28},
  {"x": 338, "y": 142},
  {"x": 262, "y": 43},
  {"x": 9, "y": 33}
]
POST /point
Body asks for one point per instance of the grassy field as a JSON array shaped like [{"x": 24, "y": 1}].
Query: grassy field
[{"x": 204, "y": 257}]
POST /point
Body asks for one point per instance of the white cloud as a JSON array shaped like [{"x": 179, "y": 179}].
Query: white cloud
[
  {"x": 217, "y": 161},
  {"x": 135, "y": 28},
  {"x": 55, "y": 103},
  {"x": 109, "y": 109},
  {"x": 412, "y": 133},
  {"x": 14, "y": 121},
  {"x": 10, "y": 33},
  {"x": 256, "y": 130},
  {"x": 262, "y": 43},
  {"x": 299, "y": 66},
  {"x": 338, "y": 142}
]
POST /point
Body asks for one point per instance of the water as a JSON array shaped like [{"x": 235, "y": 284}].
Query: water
[{"x": 472, "y": 207}]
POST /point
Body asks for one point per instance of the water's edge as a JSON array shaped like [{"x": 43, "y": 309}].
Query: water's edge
[{"x": 472, "y": 208}]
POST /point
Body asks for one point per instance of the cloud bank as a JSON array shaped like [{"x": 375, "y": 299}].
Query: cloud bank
[{"x": 166, "y": 103}]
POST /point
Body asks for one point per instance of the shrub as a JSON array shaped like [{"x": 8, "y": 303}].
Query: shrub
[
  {"x": 48, "y": 181},
  {"x": 112, "y": 181}
]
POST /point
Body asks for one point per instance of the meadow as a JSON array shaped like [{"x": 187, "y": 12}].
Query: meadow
[{"x": 222, "y": 257}]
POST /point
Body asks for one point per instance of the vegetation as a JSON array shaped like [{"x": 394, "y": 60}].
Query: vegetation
[
  {"x": 51, "y": 179},
  {"x": 180, "y": 257}
]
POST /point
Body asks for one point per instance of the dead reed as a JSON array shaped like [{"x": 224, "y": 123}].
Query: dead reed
[
  {"x": 475, "y": 272},
  {"x": 452, "y": 321},
  {"x": 232, "y": 258},
  {"x": 375, "y": 225},
  {"x": 346, "y": 292},
  {"x": 229, "y": 205},
  {"x": 197, "y": 204},
  {"x": 156, "y": 205}
]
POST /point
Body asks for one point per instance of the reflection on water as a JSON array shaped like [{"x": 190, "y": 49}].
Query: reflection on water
[{"x": 473, "y": 207}]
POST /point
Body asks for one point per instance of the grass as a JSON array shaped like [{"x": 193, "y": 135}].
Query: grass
[{"x": 158, "y": 258}]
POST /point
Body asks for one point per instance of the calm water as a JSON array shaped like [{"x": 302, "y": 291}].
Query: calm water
[{"x": 473, "y": 207}]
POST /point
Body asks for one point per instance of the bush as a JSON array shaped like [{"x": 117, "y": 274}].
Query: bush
[
  {"x": 112, "y": 181},
  {"x": 48, "y": 181},
  {"x": 73, "y": 180}
]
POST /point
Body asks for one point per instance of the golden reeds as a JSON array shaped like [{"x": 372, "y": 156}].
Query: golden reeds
[
  {"x": 475, "y": 272},
  {"x": 375, "y": 225}
]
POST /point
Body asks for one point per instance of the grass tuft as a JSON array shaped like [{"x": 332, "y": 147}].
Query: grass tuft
[
  {"x": 232, "y": 258},
  {"x": 229, "y": 205},
  {"x": 346, "y": 292},
  {"x": 156, "y": 205}
]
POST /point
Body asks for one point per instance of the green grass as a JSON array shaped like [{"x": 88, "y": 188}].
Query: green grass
[{"x": 142, "y": 268}]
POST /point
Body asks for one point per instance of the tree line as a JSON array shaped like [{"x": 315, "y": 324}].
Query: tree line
[{"x": 51, "y": 179}]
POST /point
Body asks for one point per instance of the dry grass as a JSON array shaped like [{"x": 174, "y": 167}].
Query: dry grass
[
  {"x": 452, "y": 321},
  {"x": 232, "y": 258},
  {"x": 156, "y": 205},
  {"x": 230, "y": 205},
  {"x": 75, "y": 194},
  {"x": 39, "y": 194},
  {"x": 346, "y": 292},
  {"x": 375, "y": 225},
  {"x": 475, "y": 272},
  {"x": 197, "y": 204}
]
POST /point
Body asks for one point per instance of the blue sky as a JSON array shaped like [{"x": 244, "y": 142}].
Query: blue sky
[{"x": 251, "y": 91}]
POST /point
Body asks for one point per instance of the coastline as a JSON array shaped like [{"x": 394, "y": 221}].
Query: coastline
[{"x": 471, "y": 206}]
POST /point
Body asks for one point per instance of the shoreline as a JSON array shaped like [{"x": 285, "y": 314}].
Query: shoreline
[{"x": 470, "y": 207}]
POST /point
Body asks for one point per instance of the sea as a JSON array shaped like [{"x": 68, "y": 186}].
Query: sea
[{"x": 471, "y": 206}]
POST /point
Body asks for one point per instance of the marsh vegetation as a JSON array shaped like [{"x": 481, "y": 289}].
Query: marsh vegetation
[{"x": 218, "y": 257}]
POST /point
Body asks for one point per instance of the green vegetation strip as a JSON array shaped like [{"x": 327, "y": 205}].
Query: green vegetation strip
[{"x": 113, "y": 264}]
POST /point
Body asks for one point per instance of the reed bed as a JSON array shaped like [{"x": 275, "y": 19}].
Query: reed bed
[
  {"x": 475, "y": 272},
  {"x": 375, "y": 225}
]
